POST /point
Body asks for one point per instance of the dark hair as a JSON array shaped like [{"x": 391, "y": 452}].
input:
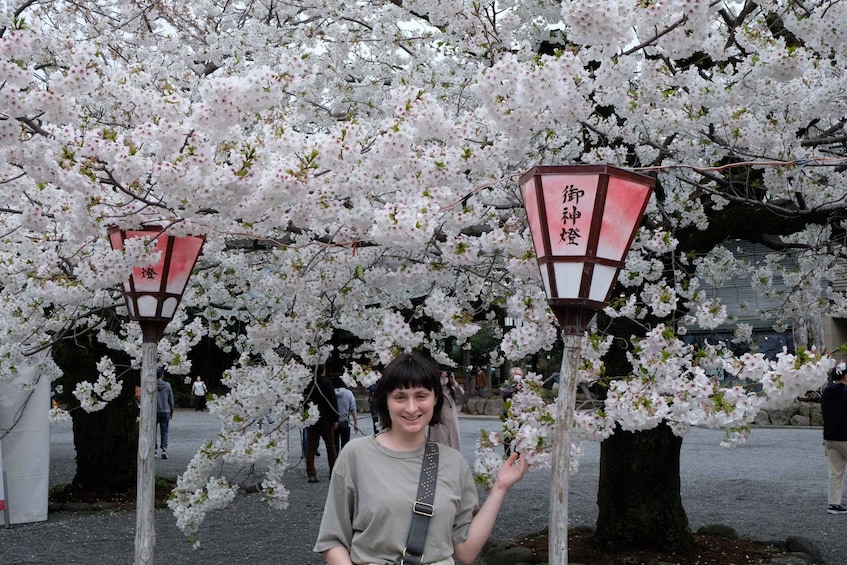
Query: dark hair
[
  {"x": 410, "y": 370},
  {"x": 838, "y": 372}
]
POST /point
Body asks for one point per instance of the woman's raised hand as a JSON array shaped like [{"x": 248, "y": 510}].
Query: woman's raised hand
[{"x": 511, "y": 471}]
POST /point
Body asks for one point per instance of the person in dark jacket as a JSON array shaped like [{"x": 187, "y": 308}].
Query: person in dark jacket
[
  {"x": 322, "y": 393},
  {"x": 164, "y": 409},
  {"x": 834, "y": 408}
]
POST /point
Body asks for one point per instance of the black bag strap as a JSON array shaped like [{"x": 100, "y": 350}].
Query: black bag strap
[{"x": 423, "y": 507}]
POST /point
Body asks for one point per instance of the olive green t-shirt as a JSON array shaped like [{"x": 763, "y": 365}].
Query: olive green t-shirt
[{"x": 369, "y": 505}]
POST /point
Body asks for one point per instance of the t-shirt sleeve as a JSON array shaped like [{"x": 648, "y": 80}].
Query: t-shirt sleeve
[
  {"x": 337, "y": 521},
  {"x": 468, "y": 507}
]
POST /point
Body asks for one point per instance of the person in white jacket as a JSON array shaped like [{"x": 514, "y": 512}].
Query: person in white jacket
[{"x": 198, "y": 391}]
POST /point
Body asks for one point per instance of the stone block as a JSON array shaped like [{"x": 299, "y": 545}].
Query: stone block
[
  {"x": 783, "y": 416},
  {"x": 718, "y": 530},
  {"x": 493, "y": 407},
  {"x": 762, "y": 418},
  {"x": 509, "y": 556},
  {"x": 474, "y": 406},
  {"x": 798, "y": 544},
  {"x": 798, "y": 420},
  {"x": 816, "y": 415}
]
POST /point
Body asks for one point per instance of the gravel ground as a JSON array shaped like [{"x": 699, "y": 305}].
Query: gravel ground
[{"x": 772, "y": 488}]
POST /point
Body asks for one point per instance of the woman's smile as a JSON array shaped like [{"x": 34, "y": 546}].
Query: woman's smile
[{"x": 411, "y": 408}]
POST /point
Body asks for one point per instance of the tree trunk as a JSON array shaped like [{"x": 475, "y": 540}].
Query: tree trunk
[
  {"x": 639, "y": 492},
  {"x": 812, "y": 330},
  {"x": 106, "y": 442},
  {"x": 106, "y": 446}
]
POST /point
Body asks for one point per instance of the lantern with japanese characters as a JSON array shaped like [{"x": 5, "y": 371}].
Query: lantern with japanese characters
[
  {"x": 583, "y": 220},
  {"x": 153, "y": 292}
]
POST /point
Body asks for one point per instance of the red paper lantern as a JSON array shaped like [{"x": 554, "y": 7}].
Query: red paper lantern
[
  {"x": 153, "y": 292},
  {"x": 583, "y": 220}
]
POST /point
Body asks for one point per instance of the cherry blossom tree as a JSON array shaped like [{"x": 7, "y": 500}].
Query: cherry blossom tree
[{"x": 353, "y": 167}]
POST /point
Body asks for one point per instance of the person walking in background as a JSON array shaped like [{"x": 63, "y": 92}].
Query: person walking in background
[
  {"x": 198, "y": 391},
  {"x": 447, "y": 432},
  {"x": 346, "y": 410},
  {"x": 367, "y": 520},
  {"x": 481, "y": 381},
  {"x": 372, "y": 408},
  {"x": 834, "y": 408},
  {"x": 164, "y": 410},
  {"x": 321, "y": 393}
]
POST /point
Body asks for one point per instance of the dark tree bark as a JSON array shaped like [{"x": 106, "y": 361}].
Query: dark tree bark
[
  {"x": 639, "y": 498},
  {"x": 106, "y": 445},
  {"x": 106, "y": 442},
  {"x": 209, "y": 362}
]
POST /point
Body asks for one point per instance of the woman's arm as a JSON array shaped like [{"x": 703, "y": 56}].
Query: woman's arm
[
  {"x": 509, "y": 473},
  {"x": 338, "y": 555},
  {"x": 457, "y": 386}
]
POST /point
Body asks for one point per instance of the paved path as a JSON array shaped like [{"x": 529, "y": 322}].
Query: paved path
[{"x": 772, "y": 488}]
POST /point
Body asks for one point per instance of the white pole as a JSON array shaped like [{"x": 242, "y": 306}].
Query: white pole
[
  {"x": 6, "y": 508},
  {"x": 145, "y": 530},
  {"x": 558, "y": 540},
  {"x": 4, "y": 499}
]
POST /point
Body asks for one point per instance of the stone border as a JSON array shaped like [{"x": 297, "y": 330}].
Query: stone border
[
  {"x": 801, "y": 413},
  {"x": 798, "y": 550}
]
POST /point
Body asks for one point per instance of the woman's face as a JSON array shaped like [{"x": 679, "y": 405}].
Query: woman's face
[{"x": 411, "y": 409}]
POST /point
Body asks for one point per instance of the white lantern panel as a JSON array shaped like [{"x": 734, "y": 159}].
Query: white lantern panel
[
  {"x": 601, "y": 282},
  {"x": 568, "y": 280},
  {"x": 147, "y": 306},
  {"x": 545, "y": 278},
  {"x": 169, "y": 307}
]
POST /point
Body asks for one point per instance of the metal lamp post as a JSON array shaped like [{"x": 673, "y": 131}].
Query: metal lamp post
[
  {"x": 583, "y": 220},
  {"x": 152, "y": 295}
]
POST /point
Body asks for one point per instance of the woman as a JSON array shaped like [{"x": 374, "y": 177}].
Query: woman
[
  {"x": 447, "y": 432},
  {"x": 375, "y": 481},
  {"x": 198, "y": 390}
]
